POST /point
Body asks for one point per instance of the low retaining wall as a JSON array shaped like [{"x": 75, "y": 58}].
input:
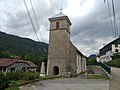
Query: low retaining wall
[{"x": 97, "y": 70}]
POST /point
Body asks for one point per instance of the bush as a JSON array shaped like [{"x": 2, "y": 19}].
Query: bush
[
  {"x": 13, "y": 88},
  {"x": 29, "y": 76},
  {"x": 82, "y": 72},
  {"x": 3, "y": 81},
  {"x": 116, "y": 56},
  {"x": 19, "y": 75},
  {"x": 114, "y": 63},
  {"x": 11, "y": 77},
  {"x": 91, "y": 61},
  {"x": 15, "y": 75}
]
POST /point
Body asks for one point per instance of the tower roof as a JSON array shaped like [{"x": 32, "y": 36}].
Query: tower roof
[{"x": 60, "y": 16}]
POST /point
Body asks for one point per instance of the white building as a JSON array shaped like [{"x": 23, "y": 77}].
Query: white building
[{"x": 109, "y": 50}]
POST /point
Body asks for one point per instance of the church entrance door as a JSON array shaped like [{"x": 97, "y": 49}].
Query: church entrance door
[{"x": 56, "y": 70}]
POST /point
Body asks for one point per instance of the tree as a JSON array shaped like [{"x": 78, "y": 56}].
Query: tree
[{"x": 91, "y": 61}]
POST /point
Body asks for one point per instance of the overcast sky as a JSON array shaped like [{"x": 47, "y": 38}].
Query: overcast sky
[{"x": 90, "y": 20}]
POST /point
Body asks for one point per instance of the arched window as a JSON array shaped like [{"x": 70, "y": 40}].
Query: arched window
[
  {"x": 116, "y": 50},
  {"x": 57, "y": 25}
]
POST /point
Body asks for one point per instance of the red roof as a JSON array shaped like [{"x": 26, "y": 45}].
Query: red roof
[
  {"x": 4, "y": 62},
  {"x": 31, "y": 63}
]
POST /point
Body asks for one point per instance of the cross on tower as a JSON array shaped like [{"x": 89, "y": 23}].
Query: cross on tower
[{"x": 61, "y": 9}]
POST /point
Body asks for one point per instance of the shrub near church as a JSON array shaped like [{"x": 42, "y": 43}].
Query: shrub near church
[{"x": 10, "y": 78}]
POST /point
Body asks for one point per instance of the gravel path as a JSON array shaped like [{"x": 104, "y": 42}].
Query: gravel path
[{"x": 68, "y": 84}]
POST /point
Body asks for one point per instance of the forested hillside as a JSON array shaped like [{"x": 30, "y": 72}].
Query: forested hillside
[{"x": 16, "y": 47}]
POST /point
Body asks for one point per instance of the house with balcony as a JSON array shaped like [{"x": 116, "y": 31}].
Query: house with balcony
[{"x": 106, "y": 52}]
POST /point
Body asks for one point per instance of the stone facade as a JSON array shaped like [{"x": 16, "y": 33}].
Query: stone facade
[
  {"x": 8, "y": 65},
  {"x": 17, "y": 66},
  {"x": 77, "y": 61},
  {"x": 62, "y": 54},
  {"x": 97, "y": 70}
]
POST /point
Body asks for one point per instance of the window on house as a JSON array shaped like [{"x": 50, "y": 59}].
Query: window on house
[
  {"x": 23, "y": 69},
  {"x": 12, "y": 69},
  {"x": 116, "y": 45},
  {"x": 4, "y": 69},
  {"x": 0, "y": 69},
  {"x": 57, "y": 25}
]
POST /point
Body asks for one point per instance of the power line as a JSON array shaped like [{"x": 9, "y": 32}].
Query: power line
[
  {"x": 114, "y": 16},
  {"x": 104, "y": 1},
  {"x": 110, "y": 17},
  {"x": 36, "y": 19},
  {"x": 114, "y": 22},
  {"x": 37, "y": 22},
  {"x": 31, "y": 20}
]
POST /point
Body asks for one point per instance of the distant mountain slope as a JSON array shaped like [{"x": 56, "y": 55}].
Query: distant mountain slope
[
  {"x": 22, "y": 47},
  {"x": 92, "y": 56}
]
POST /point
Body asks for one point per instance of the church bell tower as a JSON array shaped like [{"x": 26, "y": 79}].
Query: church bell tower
[{"x": 58, "y": 51}]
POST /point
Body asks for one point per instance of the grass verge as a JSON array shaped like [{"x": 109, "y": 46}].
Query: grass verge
[
  {"x": 95, "y": 76},
  {"x": 14, "y": 85},
  {"x": 12, "y": 88}
]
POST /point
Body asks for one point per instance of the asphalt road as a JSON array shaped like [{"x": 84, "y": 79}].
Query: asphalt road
[
  {"x": 115, "y": 80},
  {"x": 68, "y": 84}
]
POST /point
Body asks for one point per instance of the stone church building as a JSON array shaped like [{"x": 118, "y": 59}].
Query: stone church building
[{"x": 63, "y": 56}]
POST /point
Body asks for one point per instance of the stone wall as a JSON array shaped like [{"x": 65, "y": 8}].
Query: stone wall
[
  {"x": 17, "y": 66},
  {"x": 62, "y": 54},
  {"x": 97, "y": 70},
  {"x": 83, "y": 63},
  {"x": 72, "y": 61},
  {"x": 58, "y": 53},
  {"x": 59, "y": 44},
  {"x": 63, "y": 24},
  {"x": 77, "y": 61}
]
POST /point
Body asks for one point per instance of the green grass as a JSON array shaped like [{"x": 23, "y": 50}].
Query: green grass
[
  {"x": 14, "y": 85},
  {"x": 46, "y": 78},
  {"x": 97, "y": 76},
  {"x": 13, "y": 88},
  {"x": 21, "y": 82}
]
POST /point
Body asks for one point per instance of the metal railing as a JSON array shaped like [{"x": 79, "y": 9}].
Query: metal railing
[{"x": 104, "y": 66}]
